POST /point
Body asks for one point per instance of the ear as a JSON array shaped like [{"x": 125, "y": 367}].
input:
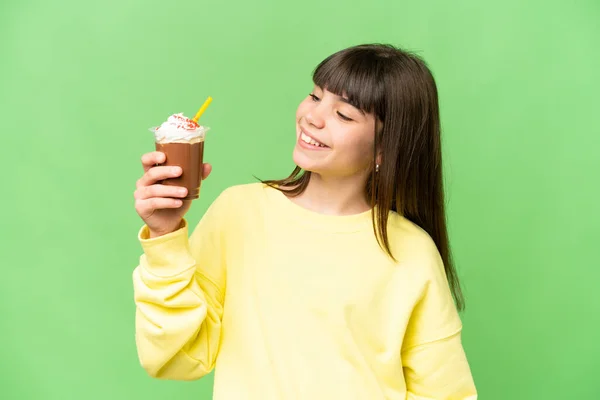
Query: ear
[{"x": 378, "y": 126}]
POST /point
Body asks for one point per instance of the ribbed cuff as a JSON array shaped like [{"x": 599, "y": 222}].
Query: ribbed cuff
[{"x": 166, "y": 255}]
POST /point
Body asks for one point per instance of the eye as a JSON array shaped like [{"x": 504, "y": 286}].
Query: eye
[
  {"x": 342, "y": 116},
  {"x": 315, "y": 98}
]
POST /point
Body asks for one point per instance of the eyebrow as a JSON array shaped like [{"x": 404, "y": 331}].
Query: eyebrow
[{"x": 345, "y": 100}]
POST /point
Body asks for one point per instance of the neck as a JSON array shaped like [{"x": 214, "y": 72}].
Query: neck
[{"x": 334, "y": 196}]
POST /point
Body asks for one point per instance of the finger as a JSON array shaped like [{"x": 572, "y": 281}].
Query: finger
[
  {"x": 206, "y": 170},
  {"x": 147, "y": 192},
  {"x": 148, "y": 206},
  {"x": 156, "y": 174},
  {"x": 150, "y": 160}
]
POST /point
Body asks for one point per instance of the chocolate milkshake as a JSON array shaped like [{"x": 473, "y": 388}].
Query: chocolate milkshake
[{"x": 182, "y": 141}]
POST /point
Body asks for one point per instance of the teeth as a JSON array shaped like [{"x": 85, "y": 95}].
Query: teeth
[{"x": 307, "y": 139}]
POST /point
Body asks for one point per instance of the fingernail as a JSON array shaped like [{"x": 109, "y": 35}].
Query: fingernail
[{"x": 176, "y": 170}]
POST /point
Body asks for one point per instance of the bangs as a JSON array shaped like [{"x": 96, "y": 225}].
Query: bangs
[{"x": 354, "y": 74}]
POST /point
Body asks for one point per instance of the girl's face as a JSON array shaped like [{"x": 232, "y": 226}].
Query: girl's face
[{"x": 334, "y": 139}]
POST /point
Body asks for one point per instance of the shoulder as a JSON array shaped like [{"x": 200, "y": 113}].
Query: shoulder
[
  {"x": 434, "y": 314},
  {"x": 415, "y": 249},
  {"x": 239, "y": 200},
  {"x": 410, "y": 239},
  {"x": 246, "y": 193},
  {"x": 231, "y": 207},
  {"x": 243, "y": 189}
]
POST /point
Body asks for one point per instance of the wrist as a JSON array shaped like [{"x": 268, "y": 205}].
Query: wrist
[{"x": 154, "y": 234}]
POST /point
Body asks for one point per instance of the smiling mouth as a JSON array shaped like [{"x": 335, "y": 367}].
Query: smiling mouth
[{"x": 308, "y": 140}]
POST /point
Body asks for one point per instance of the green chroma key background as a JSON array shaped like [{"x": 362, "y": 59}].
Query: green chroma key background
[{"x": 81, "y": 82}]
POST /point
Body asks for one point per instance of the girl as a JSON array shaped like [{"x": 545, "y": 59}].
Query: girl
[{"x": 334, "y": 283}]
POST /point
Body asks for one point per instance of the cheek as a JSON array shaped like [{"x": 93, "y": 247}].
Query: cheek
[
  {"x": 302, "y": 110},
  {"x": 355, "y": 149}
]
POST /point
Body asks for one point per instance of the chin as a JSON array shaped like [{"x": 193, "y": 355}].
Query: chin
[
  {"x": 300, "y": 159},
  {"x": 304, "y": 162}
]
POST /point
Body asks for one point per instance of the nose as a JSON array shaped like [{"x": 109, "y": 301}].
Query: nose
[{"x": 315, "y": 117}]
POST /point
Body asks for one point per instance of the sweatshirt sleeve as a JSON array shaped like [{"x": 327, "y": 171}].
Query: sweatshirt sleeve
[
  {"x": 179, "y": 288},
  {"x": 434, "y": 361}
]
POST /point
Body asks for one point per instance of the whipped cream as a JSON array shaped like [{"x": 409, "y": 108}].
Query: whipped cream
[{"x": 177, "y": 128}]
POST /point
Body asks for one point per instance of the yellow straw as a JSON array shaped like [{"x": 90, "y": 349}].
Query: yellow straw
[{"x": 202, "y": 109}]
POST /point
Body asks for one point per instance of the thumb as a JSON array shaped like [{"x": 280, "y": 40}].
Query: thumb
[{"x": 206, "y": 170}]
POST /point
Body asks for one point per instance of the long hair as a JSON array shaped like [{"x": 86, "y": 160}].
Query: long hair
[{"x": 399, "y": 89}]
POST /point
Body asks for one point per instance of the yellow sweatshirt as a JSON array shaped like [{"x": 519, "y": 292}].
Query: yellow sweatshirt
[{"x": 292, "y": 304}]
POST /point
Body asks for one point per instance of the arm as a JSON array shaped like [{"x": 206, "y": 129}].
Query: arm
[
  {"x": 179, "y": 289},
  {"x": 434, "y": 361}
]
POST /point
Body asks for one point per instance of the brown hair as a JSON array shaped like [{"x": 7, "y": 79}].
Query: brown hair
[{"x": 399, "y": 89}]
